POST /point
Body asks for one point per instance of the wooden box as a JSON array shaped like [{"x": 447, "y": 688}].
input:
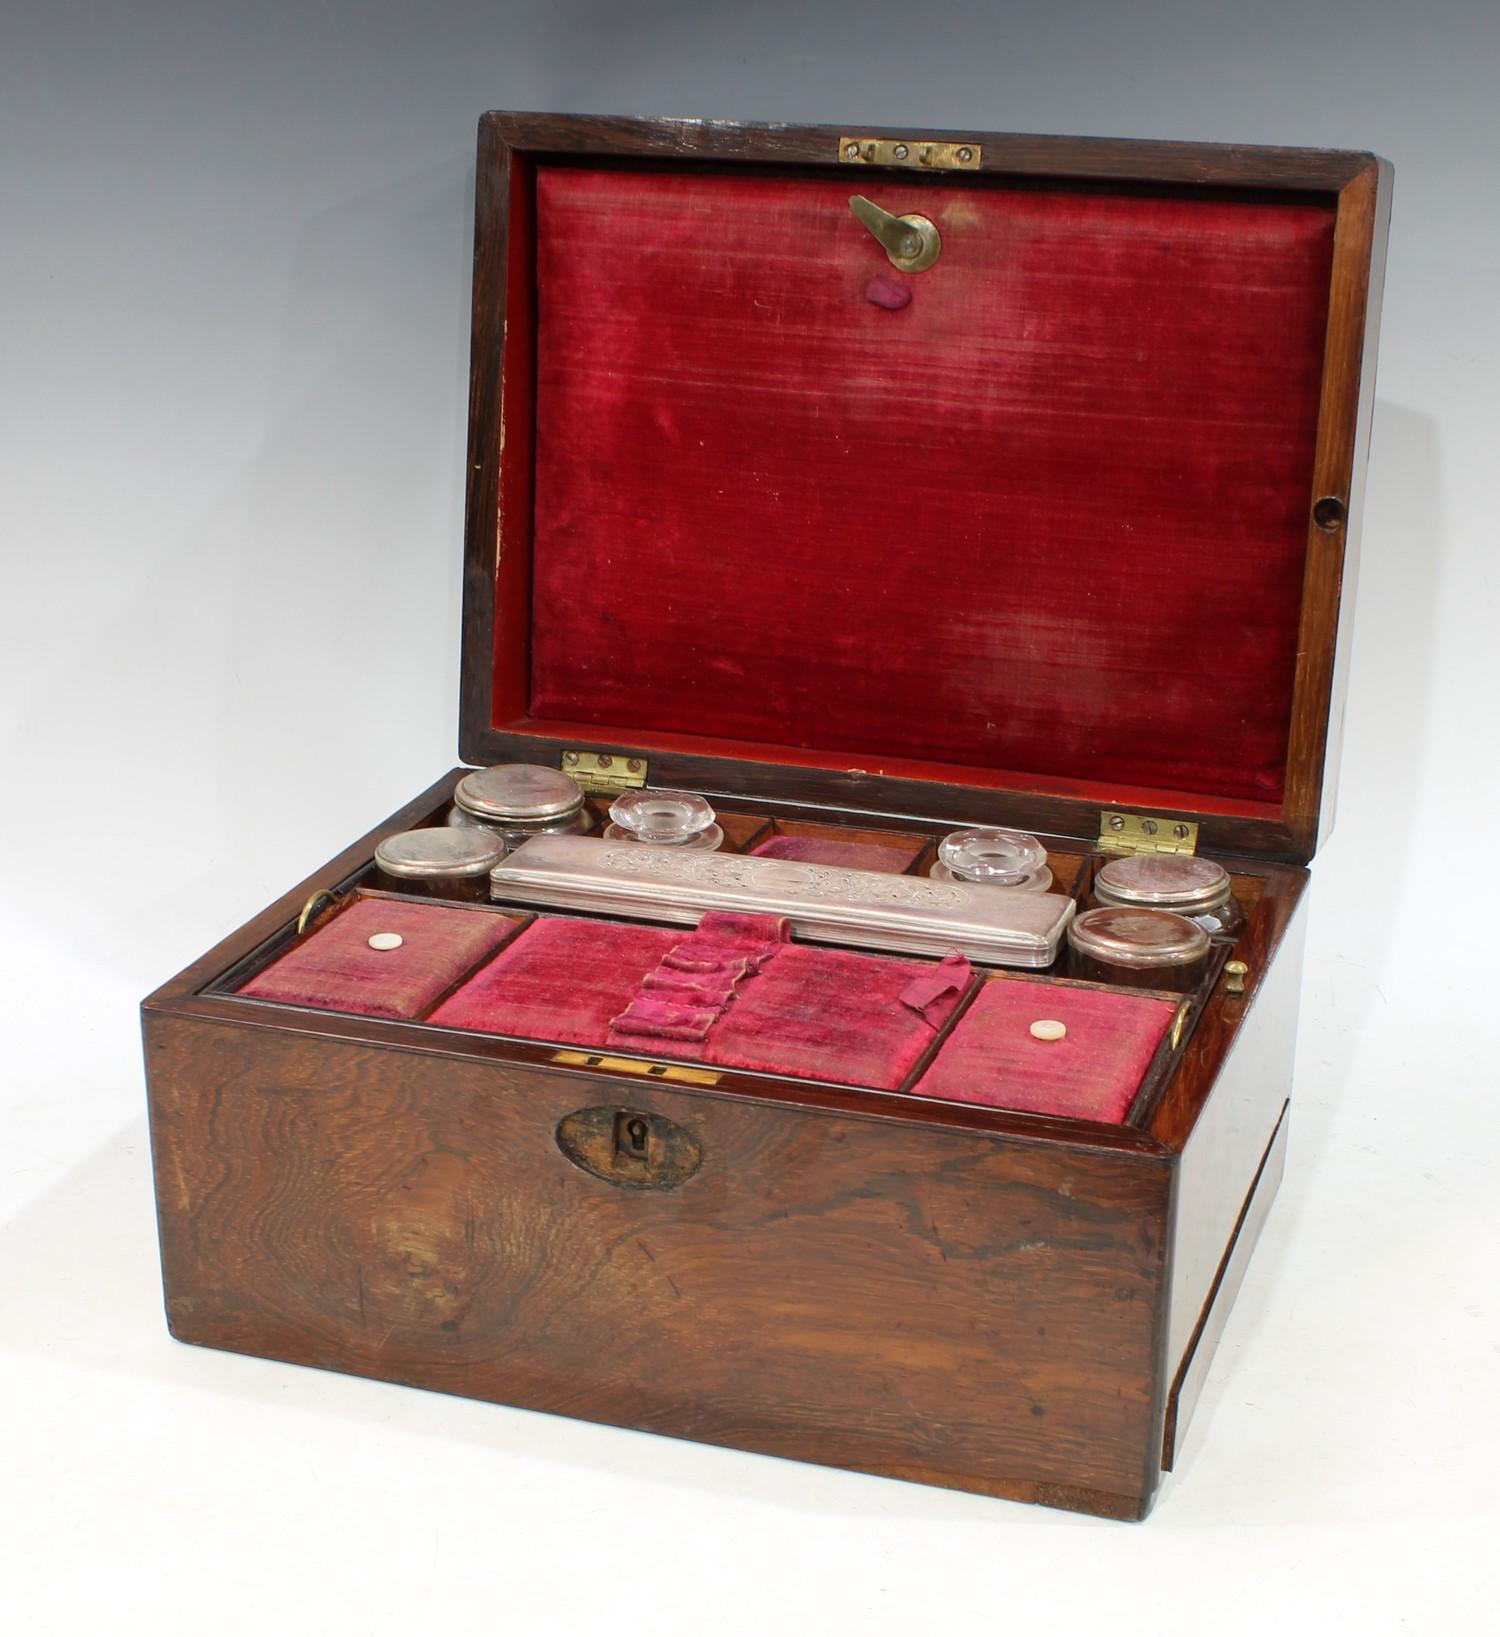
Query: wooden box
[{"x": 1057, "y": 532}]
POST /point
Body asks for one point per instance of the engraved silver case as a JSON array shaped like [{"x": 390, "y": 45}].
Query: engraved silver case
[{"x": 824, "y": 902}]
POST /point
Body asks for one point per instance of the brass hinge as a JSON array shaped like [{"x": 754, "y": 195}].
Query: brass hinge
[
  {"x": 603, "y": 773},
  {"x": 912, "y": 152},
  {"x": 1141, "y": 833}
]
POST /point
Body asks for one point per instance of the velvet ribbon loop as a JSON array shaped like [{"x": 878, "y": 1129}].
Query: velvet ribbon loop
[{"x": 694, "y": 983}]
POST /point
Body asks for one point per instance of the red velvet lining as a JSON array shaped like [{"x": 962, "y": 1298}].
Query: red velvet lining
[
  {"x": 822, "y": 1014},
  {"x": 1049, "y": 516},
  {"x": 1093, "y": 1073},
  {"x": 334, "y": 968}
]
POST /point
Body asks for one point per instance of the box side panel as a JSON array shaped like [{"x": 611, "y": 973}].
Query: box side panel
[
  {"x": 930, "y": 1304},
  {"x": 1188, "y": 1384},
  {"x": 1223, "y": 1157}
]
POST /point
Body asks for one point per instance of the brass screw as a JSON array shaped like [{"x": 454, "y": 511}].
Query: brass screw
[
  {"x": 634, "y": 764},
  {"x": 1234, "y": 977},
  {"x": 900, "y": 150},
  {"x": 1148, "y": 827},
  {"x": 571, "y": 758},
  {"x": 965, "y": 155},
  {"x": 1180, "y": 831},
  {"x": 852, "y": 151},
  {"x": 1116, "y": 821},
  {"x": 606, "y": 760}
]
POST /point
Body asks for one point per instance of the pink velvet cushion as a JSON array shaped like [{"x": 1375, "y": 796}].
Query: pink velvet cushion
[
  {"x": 561, "y": 980},
  {"x": 1093, "y": 1073},
  {"x": 334, "y": 968},
  {"x": 852, "y": 855},
  {"x": 825, "y": 1014}
]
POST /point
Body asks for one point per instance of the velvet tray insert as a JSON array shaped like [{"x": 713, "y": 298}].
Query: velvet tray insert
[
  {"x": 1092, "y": 1073},
  {"x": 813, "y": 1013},
  {"x": 334, "y": 966}
]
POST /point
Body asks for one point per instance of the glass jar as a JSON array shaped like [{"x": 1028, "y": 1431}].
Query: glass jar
[
  {"x": 993, "y": 858},
  {"x": 518, "y": 800},
  {"x": 1195, "y": 887},
  {"x": 664, "y": 818},
  {"x": 440, "y": 862},
  {"x": 1144, "y": 948}
]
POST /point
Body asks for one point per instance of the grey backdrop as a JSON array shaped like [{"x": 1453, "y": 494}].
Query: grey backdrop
[{"x": 233, "y": 353}]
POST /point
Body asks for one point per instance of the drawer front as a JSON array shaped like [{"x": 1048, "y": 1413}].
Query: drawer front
[{"x": 911, "y": 1300}]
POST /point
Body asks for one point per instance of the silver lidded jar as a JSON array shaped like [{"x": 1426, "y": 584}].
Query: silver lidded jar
[
  {"x": 1195, "y": 887},
  {"x": 1142, "y": 948},
  {"x": 519, "y": 800},
  {"x": 440, "y": 862}
]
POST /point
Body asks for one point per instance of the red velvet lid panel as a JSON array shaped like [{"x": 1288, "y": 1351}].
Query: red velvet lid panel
[{"x": 1035, "y": 519}]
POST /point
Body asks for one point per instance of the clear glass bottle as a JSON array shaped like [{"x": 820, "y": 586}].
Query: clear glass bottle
[{"x": 1195, "y": 887}]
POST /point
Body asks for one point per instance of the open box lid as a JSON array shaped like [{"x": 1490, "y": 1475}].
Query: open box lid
[{"x": 1059, "y": 525}]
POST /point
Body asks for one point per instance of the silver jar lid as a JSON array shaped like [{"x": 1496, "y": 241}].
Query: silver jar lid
[
  {"x": 518, "y": 791},
  {"x": 1123, "y": 935},
  {"x": 418, "y": 854},
  {"x": 1189, "y": 884}
]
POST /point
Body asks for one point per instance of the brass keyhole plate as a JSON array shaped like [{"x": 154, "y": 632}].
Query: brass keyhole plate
[{"x": 629, "y": 1147}]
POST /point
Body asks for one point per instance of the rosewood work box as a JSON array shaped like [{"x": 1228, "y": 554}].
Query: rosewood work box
[{"x": 840, "y": 497}]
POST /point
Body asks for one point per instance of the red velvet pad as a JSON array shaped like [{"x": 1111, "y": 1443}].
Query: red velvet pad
[
  {"x": 334, "y": 968},
  {"x": 824, "y": 1014},
  {"x": 561, "y": 980},
  {"x": 852, "y": 855},
  {"x": 1091, "y": 1074},
  {"x": 1048, "y": 515}
]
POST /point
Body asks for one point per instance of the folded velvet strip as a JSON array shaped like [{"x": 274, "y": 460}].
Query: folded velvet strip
[
  {"x": 661, "y": 1019},
  {"x": 930, "y": 990},
  {"x": 725, "y": 949}
]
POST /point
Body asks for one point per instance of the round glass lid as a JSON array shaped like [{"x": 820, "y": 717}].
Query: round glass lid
[{"x": 999, "y": 858}]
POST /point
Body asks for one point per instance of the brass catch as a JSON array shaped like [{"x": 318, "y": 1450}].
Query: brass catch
[
  {"x": 1141, "y": 833},
  {"x": 912, "y": 152},
  {"x": 913, "y": 243},
  {"x": 603, "y": 772}
]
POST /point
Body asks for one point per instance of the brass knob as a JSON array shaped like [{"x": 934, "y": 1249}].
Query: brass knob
[{"x": 1234, "y": 977}]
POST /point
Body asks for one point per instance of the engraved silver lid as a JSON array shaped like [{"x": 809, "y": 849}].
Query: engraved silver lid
[
  {"x": 518, "y": 791},
  {"x": 828, "y": 902},
  {"x": 418, "y": 854},
  {"x": 1188, "y": 885},
  {"x": 1122, "y": 935}
]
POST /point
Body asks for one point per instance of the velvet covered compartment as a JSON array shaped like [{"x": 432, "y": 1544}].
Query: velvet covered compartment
[
  {"x": 335, "y": 968},
  {"x": 1092, "y": 1073},
  {"x": 1048, "y": 515},
  {"x": 733, "y": 993}
]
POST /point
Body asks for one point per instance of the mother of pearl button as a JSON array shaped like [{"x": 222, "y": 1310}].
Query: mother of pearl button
[
  {"x": 1048, "y": 1028},
  {"x": 386, "y": 940}
]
